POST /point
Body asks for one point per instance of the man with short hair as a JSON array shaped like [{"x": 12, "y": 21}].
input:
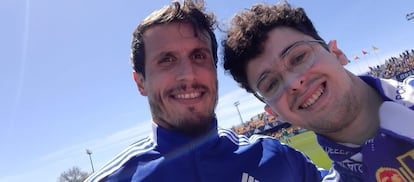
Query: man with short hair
[{"x": 174, "y": 55}]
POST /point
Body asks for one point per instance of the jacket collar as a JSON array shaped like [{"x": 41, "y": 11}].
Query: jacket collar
[{"x": 172, "y": 141}]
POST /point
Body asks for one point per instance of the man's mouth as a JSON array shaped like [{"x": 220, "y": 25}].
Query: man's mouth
[
  {"x": 188, "y": 95},
  {"x": 313, "y": 98}
]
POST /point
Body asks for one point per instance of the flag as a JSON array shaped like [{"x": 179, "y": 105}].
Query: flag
[
  {"x": 375, "y": 48},
  {"x": 364, "y": 52},
  {"x": 355, "y": 57}
]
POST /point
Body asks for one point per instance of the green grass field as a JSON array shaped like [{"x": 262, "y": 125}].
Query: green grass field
[{"x": 306, "y": 142}]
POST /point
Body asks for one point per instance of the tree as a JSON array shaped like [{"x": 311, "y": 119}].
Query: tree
[{"x": 73, "y": 174}]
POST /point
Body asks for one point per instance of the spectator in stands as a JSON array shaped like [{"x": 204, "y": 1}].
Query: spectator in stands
[
  {"x": 365, "y": 124},
  {"x": 394, "y": 66},
  {"x": 285, "y": 135},
  {"x": 174, "y": 55}
]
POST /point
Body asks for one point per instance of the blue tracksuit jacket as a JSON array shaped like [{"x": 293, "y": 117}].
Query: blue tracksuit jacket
[{"x": 219, "y": 156}]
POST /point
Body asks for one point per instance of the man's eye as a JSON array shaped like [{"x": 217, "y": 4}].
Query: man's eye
[
  {"x": 166, "y": 61},
  {"x": 273, "y": 85},
  {"x": 270, "y": 86},
  {"x": 199, "y": 56},
  {"x": 298, "y": 59}
]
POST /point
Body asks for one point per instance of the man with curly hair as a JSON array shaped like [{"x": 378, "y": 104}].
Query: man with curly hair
[
  {"x": 174, "y": 56},
  {"x": 364, "y": 124}
]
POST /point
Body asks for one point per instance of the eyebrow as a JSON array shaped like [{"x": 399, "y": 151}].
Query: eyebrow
[
  {"x": 163, "y": 53},
  {"x": 169, "y": 53},
  {"x": 201, "y": 49},
  {"x": 286, "y": 50}
]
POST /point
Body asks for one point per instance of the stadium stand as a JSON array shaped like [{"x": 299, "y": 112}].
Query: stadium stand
[{"x": 396, "y": 68}]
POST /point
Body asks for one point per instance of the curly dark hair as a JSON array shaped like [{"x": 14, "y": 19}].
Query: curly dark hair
[
  {"x": 189, "y": 12},
  {"x": 249, "y": 30}
]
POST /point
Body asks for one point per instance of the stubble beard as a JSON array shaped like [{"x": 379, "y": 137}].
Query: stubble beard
[
  {"x": 193, "y": 123},
  {"x": 196, "y": 123},
  {"x": 341, "y": 116}
]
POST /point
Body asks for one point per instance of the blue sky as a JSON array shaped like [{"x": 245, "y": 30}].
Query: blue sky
[{"x": 66, "y": 81}]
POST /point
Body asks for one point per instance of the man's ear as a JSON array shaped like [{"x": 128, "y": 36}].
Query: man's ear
[
  {"x": 139, "y": 79},
  {"x": 333, "y": 48}
]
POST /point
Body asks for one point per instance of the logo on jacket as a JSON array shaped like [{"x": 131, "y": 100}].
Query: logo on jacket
[
  {"x": 404, "y": 92},
  {"x": 247, "y": 178},
  {"x": 386, "y": 174}
]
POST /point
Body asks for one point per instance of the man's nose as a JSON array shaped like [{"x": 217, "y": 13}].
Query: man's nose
[
  {"x": 185, "y": 70},
  {"x": 295, "y": 82}
]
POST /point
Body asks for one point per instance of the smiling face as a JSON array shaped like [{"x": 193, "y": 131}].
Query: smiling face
[
  {"x": 181, "y": 78},
  {"x": 320, "y": 97}
]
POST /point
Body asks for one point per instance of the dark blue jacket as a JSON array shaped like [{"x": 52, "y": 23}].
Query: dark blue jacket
[{"x": 222, "y": 155}]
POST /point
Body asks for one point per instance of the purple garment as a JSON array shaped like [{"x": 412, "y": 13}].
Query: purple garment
[{"x": 389, "y": 156}]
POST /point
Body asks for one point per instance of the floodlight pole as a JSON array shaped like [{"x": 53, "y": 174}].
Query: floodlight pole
[
  {"x": 89, "y": 152},
  {"x": 236, "y": 104}
]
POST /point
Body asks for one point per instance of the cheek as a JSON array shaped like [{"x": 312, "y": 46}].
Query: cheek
[
  {"x": 208, "y": 76},
  {"x": 281, "y": 109},
  {"x": 156, "y": 84}
]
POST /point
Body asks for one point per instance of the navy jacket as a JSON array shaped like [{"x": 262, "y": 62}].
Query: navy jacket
[{"x": 221, "y": 155}]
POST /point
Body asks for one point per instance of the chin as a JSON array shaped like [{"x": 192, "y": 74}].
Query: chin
[{"x": 196, "y": 125}]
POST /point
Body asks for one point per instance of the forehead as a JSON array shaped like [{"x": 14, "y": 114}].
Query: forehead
[
  {"x": 277, "y": 40},
  {"x": 173, "y": 37},
  {"x": 280, "y": 38}
]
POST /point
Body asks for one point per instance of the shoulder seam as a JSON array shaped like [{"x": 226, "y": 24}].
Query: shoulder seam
[{"x": 136, "y": 149}]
